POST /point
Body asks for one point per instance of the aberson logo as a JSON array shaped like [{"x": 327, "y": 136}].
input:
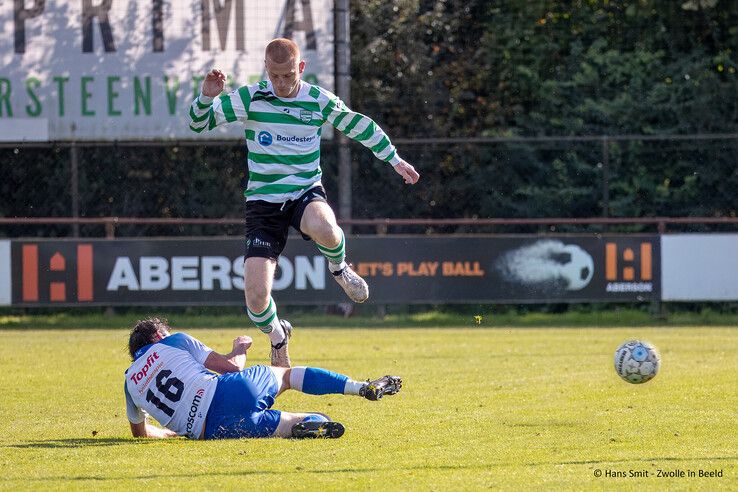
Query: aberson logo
[
  {"x": 209, "y": 273},
  {"x": 629, "y": 269},
  {"x": 56, "y": 266}
]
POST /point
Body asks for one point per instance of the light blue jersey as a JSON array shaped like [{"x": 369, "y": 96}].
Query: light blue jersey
[{"x": 168, "y": 380}]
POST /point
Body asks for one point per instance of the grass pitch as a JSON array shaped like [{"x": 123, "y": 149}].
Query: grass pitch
[{"x": 498, "y": 408}]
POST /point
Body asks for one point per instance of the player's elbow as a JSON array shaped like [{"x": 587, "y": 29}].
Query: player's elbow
[
  {"x": 234, "y": 365},
  {"x": 223, "y": 363}
]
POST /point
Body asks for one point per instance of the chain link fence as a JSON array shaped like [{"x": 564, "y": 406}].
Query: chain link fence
[{"x": 626, "y": 176}]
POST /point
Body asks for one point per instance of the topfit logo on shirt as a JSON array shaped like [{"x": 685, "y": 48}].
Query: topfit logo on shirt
[{"x": 138, "y": 376}]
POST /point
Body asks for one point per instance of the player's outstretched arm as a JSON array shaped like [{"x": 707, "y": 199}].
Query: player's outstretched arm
[
  {"x": 364, "y": 130},
  {"x": 235, "y": 361},
  {"x": 145, "y": 429}
]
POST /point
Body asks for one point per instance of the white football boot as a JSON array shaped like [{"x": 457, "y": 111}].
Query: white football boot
[
  {"x": 352, "y": 284},
  {"x": 280, "y": 354}
]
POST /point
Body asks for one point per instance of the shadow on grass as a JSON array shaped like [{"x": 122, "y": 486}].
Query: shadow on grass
[
  {"x": 645, "y": 459},
  {"x": 80, "y": 442}
]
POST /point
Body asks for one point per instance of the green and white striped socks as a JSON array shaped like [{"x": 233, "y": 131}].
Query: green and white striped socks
[
  {"x": 336, "y": 256},
  {"x": 268, "y": 322}
]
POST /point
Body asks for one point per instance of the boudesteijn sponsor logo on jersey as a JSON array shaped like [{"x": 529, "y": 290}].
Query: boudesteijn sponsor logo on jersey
[
  {"x": 294, "y": 138},
  {"x": 629, "y": 268},
  {"x": 265, "y": 138},
  {"x": 138, "y": 376},
  {"x": 56, "y": 266}
]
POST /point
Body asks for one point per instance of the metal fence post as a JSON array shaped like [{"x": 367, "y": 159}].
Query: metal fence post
[
  {"x": 74, "y": 164},
  {"x": 605, "y": 176},
  {"x": 343, "y": 90}
]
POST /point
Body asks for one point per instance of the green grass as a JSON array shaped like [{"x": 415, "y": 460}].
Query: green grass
[{"x": 501, "y": 408}]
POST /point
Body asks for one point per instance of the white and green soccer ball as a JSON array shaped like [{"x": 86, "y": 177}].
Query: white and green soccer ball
[{"x": 637, "y": 361}]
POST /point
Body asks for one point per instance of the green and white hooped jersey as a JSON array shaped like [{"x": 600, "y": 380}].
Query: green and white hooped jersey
[{"x": 283, "y": 135}]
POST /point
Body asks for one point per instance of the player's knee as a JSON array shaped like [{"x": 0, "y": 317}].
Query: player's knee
[
  {"x": 327, "y": 234},
  {"x": 257, "y": 297},
  {"x": 321, "y": 225},
  {"x": 330, "y": 238}
]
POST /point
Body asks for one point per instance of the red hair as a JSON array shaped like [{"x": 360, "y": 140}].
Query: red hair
[{"x": 282, "y": 50}]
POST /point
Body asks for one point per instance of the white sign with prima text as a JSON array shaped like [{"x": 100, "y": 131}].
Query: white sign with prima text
[{"x": 102, "y": 70}]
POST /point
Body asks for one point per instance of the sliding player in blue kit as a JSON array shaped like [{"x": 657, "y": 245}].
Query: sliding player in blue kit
[{"x": 173, "y": 378}]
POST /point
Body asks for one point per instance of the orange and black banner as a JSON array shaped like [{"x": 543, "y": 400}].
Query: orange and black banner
[
  {"x": 66, "y": 275},
  {"x": 399, "y": 269}
]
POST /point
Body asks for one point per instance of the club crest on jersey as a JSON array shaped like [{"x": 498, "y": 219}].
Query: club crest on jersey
[
  {"x": 265, "y": 138},
  {"x": 306, "y": 116}
]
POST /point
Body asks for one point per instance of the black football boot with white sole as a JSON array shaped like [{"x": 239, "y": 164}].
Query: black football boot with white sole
[
  {"x": 317, "y": 430},
  {"x": 386, "y": 385}
]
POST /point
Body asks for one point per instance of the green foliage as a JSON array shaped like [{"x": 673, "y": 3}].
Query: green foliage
[{"x": 558, "y": 68}]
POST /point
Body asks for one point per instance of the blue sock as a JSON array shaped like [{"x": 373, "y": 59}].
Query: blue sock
[{"x": 316, "y": 381}]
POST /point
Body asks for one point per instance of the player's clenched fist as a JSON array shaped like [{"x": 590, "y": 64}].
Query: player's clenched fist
[
  {"x": 241, "y": 344},
  {"x": 214, "y": 83},
  {"x": 408, "y": 172}
]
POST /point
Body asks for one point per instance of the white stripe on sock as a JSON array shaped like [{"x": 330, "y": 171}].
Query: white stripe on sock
[
  {"x": 297, "y": 376},
  {"x": 277, "y": 334},
  {"x": 352, "y": 387}
]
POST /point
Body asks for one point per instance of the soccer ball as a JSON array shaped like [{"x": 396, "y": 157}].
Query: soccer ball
[
  {"x": 579, "y": 269},
  {"x": 637, "y": 361}
]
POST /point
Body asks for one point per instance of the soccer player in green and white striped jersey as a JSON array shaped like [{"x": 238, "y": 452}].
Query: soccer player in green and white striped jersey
[{"x": 283, "y": 118}]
